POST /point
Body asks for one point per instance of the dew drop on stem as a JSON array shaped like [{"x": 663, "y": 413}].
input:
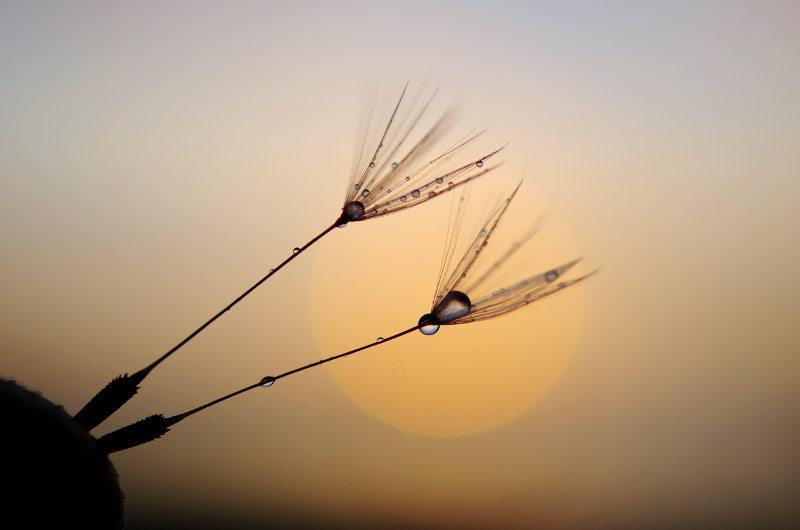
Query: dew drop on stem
[
  {"x": 415, "y": 193},
  {"x": 295, "y": 250},
  {"x": 428, "y": 324},
  {"x": 267, "y": 381}
]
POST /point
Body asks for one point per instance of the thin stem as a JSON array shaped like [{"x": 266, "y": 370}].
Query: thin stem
[
  {"x": 271, "y": 380},
  {"x": 155, "y": 426},
  {"x": 238, "y": 299},
  {"x": 124, "y": 387}
]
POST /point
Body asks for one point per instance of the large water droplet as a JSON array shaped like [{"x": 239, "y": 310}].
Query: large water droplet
[
  {"x": 352, "y": 211},
  {"x": 415, "y": 193},
  {"x": 551, "y": 276},
  {"x": 428, "y": 324},
  {"x": 295, "y": 250},
  {"x": 453, "y": 306},
  {"x": 267, "y": 381},
  {"x": 479, "y": 163}
]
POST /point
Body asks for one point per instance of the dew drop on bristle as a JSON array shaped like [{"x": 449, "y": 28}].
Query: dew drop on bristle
[
  {"x": 479, "y": 163},
  {"x": 394, "y": 165},
  {"x": 403, "y": 198},
  {"x": 267, "y": 381},
  {"x": 357, "y": 186},
  {"x": 295, "y": 250},
  {"x": 428, "y": 325},
  {"x": 431, "y": 195},
  {"x": 439, "y": 180},
  {"x": 551, "y": 276},
  {"x": 372, "y": 164},
  {"x": 452, "y": 307},
  {"x": 415, "y": 193},
  {"x": 379, "y": 339},
  {"x": 450, "y": 185}
]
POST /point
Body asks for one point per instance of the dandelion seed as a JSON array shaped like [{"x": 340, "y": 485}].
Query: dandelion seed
[
  {"x": 452, "y": 304},
  {"x": 458, "y": 299},
  {"x": 397, "y": 163}
]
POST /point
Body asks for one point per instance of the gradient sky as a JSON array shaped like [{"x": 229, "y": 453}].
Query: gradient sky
[{"x": 156, "y": 158}]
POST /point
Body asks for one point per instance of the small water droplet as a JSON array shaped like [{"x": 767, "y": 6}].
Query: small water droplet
[
  {"x": 428, "y": 324},
  {"x": 408, "y": 178},
  {"x": 403, "y": 198},
  {"x": 357, "y": 186},
  {"x": 295, "y": 250},
  {"x": 365, "y": 193},
  {"x": 415, "y": 193},
  {"x": 485, "y": 244},
  {"x": 450, "y": 185},
  {"x": 551, "y": 276},
  {"x": 431, "y": 195},
  {"x": 372, "y": 164},
  {"x": 379, "y": 339},
  {"x": 483, "y": 232},
  {"x": 267, "y": 381},
  {"x": 394, "y": 165},
  {"x": 439, "y": 180},
  {"x": 479, "y": 163}
]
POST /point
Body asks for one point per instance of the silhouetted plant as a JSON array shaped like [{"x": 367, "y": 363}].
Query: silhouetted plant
[
  {"x": 452, "y": 304},
  {"x": 390, "y": 179}
]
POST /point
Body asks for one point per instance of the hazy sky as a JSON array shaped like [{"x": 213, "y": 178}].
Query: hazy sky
[{"x": 156, "y": 158}]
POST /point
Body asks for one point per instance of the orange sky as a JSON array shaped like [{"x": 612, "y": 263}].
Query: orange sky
[{"x": 156, "y": 160}]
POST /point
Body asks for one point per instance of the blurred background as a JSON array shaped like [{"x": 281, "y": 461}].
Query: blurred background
[{"x": 158, "y": 158}]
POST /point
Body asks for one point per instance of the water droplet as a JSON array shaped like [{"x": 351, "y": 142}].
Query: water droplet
[
  {"x": 431, "y": 195},
  {"x": 372, "y": 164},
  {"x": 394, "y": 165},
  {"x": 452, "y": 307},
  {"x": 365, "y": 193},
  {"x": 428, "y": 324},
  {"x": 479, "y": 163},
  {"x": 485, "y": 244},
  {"x": 439, "y": 180},
  {"x": 551, "y": 276},
  {"x": 450, "y": 185},
  {"x": 483, "y": 232},
  {"x": 295, "y": 250},
  {"x": 352, "y": 211},
  {"x": 379, "y": 339},
  {"x": 403, "y": 198},
  {"x": 408, "y": 178},
  {"x": 415, "y": 193},
  {"x": 267, "y": 381},
  {"x": 357, "y": 186}
]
